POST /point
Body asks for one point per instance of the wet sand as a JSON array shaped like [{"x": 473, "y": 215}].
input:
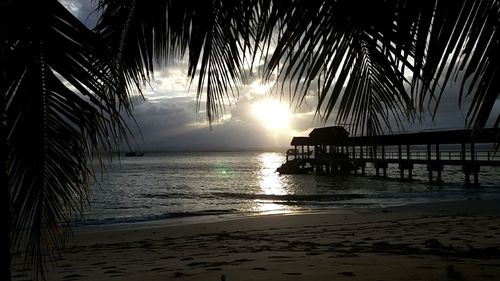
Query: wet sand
[{"x": 435, "y": 241}]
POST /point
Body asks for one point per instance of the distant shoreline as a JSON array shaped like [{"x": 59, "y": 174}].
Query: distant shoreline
[{"x": 163, "y": 151}]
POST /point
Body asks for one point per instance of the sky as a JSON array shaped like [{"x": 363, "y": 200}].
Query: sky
[{"x": 168, "y": 120}]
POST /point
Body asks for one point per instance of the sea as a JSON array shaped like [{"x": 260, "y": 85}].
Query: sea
[{"x": 166, "y": 186}]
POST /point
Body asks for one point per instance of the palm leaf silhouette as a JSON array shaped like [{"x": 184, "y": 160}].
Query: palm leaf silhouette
[
  {"x": 215, "y": 34},
  {"x": 371, "y": 63},
  {"x": 374, "y": 64},
  {"x": 379, "y": 59},
  {"x": 62, "y": 105}
]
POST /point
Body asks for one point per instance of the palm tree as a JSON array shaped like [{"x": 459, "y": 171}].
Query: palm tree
[
  {"x": 60, "y": 105},
  {"x": 367, "y": 61},
  {"x": 371, "y": 61}
]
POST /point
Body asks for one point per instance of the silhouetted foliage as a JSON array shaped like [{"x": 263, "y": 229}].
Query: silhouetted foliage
[{"x": 64, "y": 87}]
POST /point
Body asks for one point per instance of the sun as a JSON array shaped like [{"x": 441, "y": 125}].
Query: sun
[
  {"x": 272, "y": 114},
  {"x": 259, "y": 88}
]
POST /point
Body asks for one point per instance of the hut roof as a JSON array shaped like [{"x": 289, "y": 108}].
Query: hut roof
[
  {"x": 489, "y": 135},
  {"x": 337, "y": 135},
  {"x": 302, "y": 141},
  {"x": 334, "y": 135}
]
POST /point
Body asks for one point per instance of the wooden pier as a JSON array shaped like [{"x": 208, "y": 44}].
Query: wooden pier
[{"x": 330, "y": 150}]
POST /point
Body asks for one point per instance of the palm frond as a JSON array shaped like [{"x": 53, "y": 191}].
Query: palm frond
[
  {"x": 62, "y": 105},
  {"x": 214, "y": 34},
  {"x": 375, "y": 64},
  {"x": 327, "y": 43},
  {"x": 406, "y": 53},
  {"x": 457, "y": 45}
]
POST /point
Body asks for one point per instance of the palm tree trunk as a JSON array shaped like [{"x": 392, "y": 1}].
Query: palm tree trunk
[{"x": 5, "y": 255}]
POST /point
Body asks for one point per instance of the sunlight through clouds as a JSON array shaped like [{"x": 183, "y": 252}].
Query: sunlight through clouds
[
  {"x": 258, "y": 87},
  {"x": 168, "y": 119},
  {"x": 264, "y": 114},
  {"x": 272, "y": 114}
]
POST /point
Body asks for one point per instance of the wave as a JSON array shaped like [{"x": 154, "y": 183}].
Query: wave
[
  {"x": 291, "y": 197},
  {"x": 171, "y": 215},
  {"x": 269, "y": 197},
  {"x": 167, "y": 195}
]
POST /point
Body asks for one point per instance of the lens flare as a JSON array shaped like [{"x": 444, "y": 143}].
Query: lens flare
[{"x": 224, "y": 171}]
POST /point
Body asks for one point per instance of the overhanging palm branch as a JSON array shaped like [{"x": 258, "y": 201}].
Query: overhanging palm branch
[
  {"x": 404, "y": 52},
  {"x": 62, "y": 106},
  {"x": 372, "y": 61},
  {"x": 215, "y": 35},
  {"x": 467, "y": 50},
  {"x": 351, "y": 68}
]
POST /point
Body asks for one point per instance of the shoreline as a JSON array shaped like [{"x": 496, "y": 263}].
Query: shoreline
[
  {"x": 208, "y": 218},
  {"x": 221, "y": 215},
  {"x": 428, "y": 241}
]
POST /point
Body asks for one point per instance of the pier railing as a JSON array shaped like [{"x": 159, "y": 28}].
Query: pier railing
[
  {"x": 422, "y": 155},
  {"x": 335, "y": 152}
]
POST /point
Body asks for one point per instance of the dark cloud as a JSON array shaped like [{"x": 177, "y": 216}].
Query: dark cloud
[
  {"x": 172, "y": 124},
  {"x": 231, "y": 135},
  {"x": 168, "y": 118},
  {"x": 160, "y": 119}
]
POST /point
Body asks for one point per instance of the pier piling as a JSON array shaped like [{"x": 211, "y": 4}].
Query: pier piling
[{"x": 335, "y": 152}]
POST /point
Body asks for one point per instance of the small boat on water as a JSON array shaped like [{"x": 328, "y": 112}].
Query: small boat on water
[{"x": 134, "y": 154}]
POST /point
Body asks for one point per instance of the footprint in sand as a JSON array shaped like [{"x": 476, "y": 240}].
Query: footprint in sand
[
  {"x": 314, "y": 254},
  {"x": 72, "y": 276},
  {"x": 241, "y": 260},
  {"x": 167, "y": 257},
  {"x": 158, "y": 269},
  {"x": 178, "y": 274},
  {"x": 197, "y": 263},
  {"x": 278, "y": 257},
  {"x": 112, "y": 272},
  {"x": 214, "y": 269},
  {"x": 117, "y": 275},
  {"x": 108, "y": 267},
  {"x": 346, "y": 273}
]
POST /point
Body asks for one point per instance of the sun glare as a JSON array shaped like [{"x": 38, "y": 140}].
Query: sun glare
[
  {"x": 260, "y": 88},
  {"x": 272, "y": 113}
]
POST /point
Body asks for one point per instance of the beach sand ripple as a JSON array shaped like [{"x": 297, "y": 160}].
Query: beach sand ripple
[{"x": 438, "y": 241}]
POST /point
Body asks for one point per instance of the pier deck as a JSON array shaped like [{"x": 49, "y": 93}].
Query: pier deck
[{"x": 330, "y": 150}]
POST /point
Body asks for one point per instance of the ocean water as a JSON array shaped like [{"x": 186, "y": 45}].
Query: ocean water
[{"x": 174, "y": 185}]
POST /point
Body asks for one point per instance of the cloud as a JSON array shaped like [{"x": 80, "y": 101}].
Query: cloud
[
  {"x": 161, "y": 119},
  {"x": 233, "y": 135},
  {"x": 168, "y": 118}
]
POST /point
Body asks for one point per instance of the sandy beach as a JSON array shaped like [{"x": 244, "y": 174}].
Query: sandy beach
[{"x": 434, "y": 241}]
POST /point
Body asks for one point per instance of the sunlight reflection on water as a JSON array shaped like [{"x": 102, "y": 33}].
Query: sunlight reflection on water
[
  {"x": 271, "y": 183},
  {"x": 168, "y": 185}
]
